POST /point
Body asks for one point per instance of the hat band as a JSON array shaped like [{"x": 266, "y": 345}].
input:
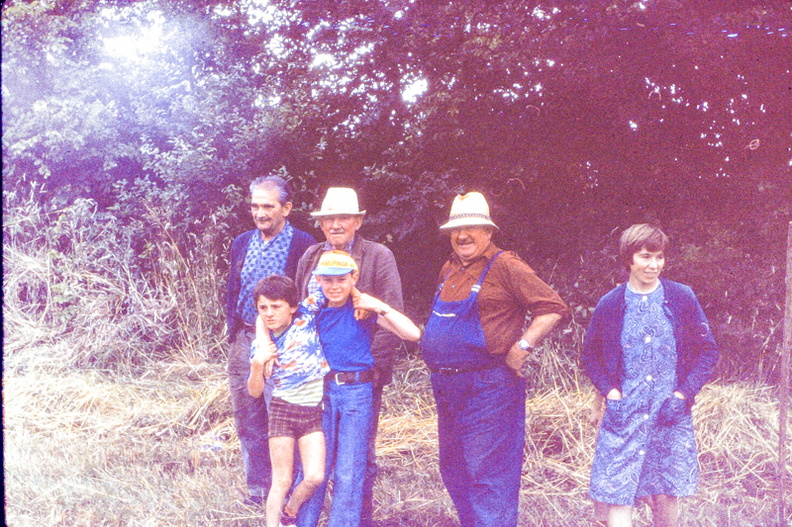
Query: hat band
[{"x": 469, "y": 215}]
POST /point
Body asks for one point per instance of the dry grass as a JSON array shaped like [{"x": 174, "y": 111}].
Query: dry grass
[
  {"x": 116, "y": 406},
  {"x": 99, "y": 448},
  {"x": 72, "y": 276},
  {"x": 89, "y": 448}
]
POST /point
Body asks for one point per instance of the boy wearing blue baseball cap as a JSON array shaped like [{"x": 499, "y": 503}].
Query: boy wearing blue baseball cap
[{"x": 349, "y": 385}]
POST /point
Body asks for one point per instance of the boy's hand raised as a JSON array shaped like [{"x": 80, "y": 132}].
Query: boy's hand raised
[
  {"x": 360, "y": 312},
  {"x": 369, "y": 304}
]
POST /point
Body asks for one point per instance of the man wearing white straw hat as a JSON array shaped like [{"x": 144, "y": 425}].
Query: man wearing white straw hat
[
  {"x": 477, "y": 348},
  {"x": 340, "y": 218}
]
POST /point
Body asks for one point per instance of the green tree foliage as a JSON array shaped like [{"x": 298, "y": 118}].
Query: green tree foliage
[{"x": 575, "y": 118}]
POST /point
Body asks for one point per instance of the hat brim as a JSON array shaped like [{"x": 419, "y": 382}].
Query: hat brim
[
  {"x": 468, "y": 222},
  {"x": 332, "y": 271},
  {"x": 322, "y": 213}
]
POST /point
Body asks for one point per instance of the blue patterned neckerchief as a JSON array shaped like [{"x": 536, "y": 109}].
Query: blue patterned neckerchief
[{"x": 262, "y": 259}]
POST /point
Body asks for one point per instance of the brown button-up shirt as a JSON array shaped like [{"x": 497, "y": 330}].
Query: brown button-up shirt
[{"x": 511, "y": 290}]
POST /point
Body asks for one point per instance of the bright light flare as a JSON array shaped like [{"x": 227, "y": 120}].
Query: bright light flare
[
  {"x": 414, "y": 90},
  {"x": 136, "y": 47}
]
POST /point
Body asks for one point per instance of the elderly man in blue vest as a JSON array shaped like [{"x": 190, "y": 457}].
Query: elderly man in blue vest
[
  {"x": 273, "y": 247},
  {"x": 340, "y": 218}
]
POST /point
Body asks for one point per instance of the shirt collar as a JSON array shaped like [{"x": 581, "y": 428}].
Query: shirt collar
[
  {"x": 285, "y": 231},
  {"x": 347, "y": 248}
]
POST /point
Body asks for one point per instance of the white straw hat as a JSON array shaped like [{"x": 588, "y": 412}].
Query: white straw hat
[
  {"x": 339, "y": 201},
  {"x": 469, "y": 210}
]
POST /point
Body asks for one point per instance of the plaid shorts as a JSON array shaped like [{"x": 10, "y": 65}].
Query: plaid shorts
[{"x": 292, "y": 420}]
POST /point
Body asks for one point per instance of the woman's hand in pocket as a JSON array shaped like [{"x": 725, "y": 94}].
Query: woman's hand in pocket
[{"x": 673, "y": 411}]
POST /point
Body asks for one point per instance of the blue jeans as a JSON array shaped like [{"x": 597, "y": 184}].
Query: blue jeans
[
  {"x": 481, "y": 428},
  {"x": 250, "y": 418},
  {"x": 371, "y": 462},
  {"x": 346, "y": 422}
]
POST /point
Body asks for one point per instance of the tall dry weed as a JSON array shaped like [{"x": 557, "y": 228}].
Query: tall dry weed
[{"x": 75, "y": 285}]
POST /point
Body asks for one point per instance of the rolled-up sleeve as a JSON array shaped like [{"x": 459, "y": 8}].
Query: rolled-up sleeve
[{"x": 511, "y": 292}]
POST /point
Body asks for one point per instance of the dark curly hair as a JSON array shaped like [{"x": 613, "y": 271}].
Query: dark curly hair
[{"x": 277, "y": 287}]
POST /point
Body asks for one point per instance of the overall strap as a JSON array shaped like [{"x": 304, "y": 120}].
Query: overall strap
[{"x": 477, "y": 286}]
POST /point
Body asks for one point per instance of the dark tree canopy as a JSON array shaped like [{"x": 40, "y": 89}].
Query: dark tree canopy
[{"x": 576, "y": 119}]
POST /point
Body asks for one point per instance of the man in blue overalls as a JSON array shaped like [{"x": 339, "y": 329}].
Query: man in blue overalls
[{"x": 477, "y": 347}]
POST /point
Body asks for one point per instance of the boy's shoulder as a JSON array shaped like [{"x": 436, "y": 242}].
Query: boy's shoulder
[
  {"x": 313, "y": 303},
  {"x": 302, "y": 321}
]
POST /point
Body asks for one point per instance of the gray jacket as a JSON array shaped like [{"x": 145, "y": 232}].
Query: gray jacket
[{"x": 379, "y": 277}]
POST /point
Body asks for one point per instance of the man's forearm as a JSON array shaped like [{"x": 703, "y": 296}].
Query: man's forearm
[{"x": 540, "y": 327}]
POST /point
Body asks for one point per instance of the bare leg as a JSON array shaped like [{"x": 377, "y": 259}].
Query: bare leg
[
  {"x": 312, "y": 453},
  {"x": 665, "y": 510},
  {"x": 601, "y": 513},
  {"x": 282, "y": 455},
  {"x": 620, "y": 516}
]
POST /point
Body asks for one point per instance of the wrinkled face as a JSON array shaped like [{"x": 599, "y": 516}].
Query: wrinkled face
[
  {"x": 337, "y": 288},
  {"x": 645, "y": 268},
  {"x": 340, "y": 230},
  {"x": 470, "y": 242},
  {"x": 268, "y": 213},
  {"x": 276, "y": 314}
]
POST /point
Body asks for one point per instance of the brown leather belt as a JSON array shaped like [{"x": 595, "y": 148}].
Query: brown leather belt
[{"x": 350, "y": 377}]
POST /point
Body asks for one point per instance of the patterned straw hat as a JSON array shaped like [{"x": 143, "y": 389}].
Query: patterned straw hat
[{"x": 468, "y": 210}]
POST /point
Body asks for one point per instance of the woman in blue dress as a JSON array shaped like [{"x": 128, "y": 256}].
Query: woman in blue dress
[{"x": 648, "y": 351}]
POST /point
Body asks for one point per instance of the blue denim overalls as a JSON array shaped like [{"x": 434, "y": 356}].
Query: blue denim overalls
[
  {"x": 480, "y": 413},
  {"x": 454, "y": 337}
]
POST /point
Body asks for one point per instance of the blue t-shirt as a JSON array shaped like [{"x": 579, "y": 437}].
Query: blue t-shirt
[{"x": 346, "y": 341}]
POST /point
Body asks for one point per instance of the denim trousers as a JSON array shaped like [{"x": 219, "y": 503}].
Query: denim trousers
[
  {"x": 346, "y": 422},
  {"x": 371, "y": 459},
  {"x": 250, "y": 418},
  {"x": 481, "y": 429}
]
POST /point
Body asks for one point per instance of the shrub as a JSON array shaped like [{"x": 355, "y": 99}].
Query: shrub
[{"x": 74, "y": 280}]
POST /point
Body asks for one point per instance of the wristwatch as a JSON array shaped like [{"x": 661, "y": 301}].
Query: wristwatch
[{"x": 524, "y": 345}]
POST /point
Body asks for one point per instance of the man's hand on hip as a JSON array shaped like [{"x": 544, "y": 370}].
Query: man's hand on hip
[{"x": 516, "y": 359}]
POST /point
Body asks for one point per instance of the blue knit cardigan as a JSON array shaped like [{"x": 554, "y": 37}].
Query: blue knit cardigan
[{"x": 697, "y": 352}]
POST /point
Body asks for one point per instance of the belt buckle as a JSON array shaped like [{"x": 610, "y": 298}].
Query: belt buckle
[{"x": 337, "y": 380}]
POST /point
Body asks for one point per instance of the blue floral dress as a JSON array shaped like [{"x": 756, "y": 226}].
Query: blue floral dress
[{"x": 645, "y": 444}]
